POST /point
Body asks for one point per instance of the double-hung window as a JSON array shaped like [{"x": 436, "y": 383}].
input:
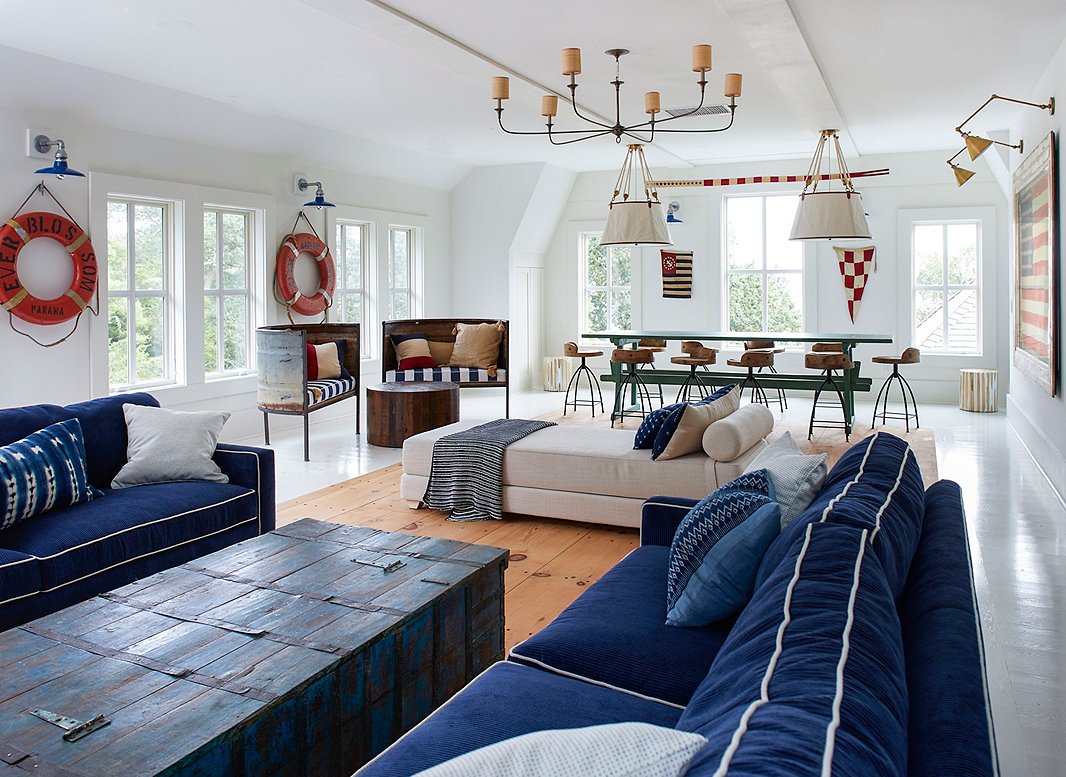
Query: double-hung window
[
  {"x": 228, "y": 240},
  {"x": 350, "y": 301},
  {"x": 140, "y": 274},
  {"x": 398, "y": 278},
  {"x": 945, "y": 261},
  {"x": 764, "y": 269},
  {"x": 607, "y": 277}
]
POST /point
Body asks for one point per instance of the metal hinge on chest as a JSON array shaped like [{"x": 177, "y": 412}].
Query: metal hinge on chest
[
  {"x": 75, "y": 729},
  {"x": 392, "y": 567}
]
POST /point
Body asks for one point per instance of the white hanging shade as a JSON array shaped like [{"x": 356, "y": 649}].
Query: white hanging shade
[
  {"x": 830, "y": 215},
  {"x": 637, "y": 222}
]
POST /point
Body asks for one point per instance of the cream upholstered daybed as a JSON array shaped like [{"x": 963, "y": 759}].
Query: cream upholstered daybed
[{"x": 590, "y": 474}]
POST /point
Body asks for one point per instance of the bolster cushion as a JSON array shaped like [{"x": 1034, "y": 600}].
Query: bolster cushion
[{"x": 727, "y": 438}]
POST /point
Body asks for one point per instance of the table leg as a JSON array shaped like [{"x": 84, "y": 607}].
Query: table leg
[{"x": 850, "y": 381}]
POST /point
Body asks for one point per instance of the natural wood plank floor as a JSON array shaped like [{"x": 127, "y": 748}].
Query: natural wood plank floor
[{"x": 551, "y": 561}]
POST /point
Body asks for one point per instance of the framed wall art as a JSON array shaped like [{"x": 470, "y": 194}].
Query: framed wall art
[{"x": 1035, "y": 267}]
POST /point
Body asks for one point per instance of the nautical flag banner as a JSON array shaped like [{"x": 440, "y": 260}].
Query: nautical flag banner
[
  {"x": 856, "y": 264},
  {"x": 677, "y": 274}
]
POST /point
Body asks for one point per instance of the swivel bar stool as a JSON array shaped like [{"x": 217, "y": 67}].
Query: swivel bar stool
[
  {"x": 830, "y": 358},
  {"x": 695, "y": 356},
  {"x": 655, "y": 345},
  {"x": 632, "y": 358},
  {"x": 751, "y": 360},
  {"x": 771, "y": 346},
  {"x": 909, "y": 356},
  {"x": 572, "y": 350}
]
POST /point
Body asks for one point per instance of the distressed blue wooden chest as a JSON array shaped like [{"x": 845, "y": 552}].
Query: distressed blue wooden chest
[{"x": 305, "y": 651}]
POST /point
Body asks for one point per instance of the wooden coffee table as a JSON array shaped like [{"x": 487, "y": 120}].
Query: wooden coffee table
[
  {"x": 304, "y": 651},
  {"x": 396, "y": 411}
]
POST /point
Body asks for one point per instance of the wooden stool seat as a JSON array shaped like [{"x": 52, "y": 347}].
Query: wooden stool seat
[
  {"x": 909, "y": 356},
  {"x": 827, "y": 348},
  {"x": 632, "y": 356},
  {"x": 753, "y": 359},
  {"x": 692, "y": 361},
  {"x": 576, "y": 351},
  {"x": 827, "y": 361},
  {"x": 654, "y": 344},
  {"x": 762, "y": 345}
]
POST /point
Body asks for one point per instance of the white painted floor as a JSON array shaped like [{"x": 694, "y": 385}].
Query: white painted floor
[{"x": 1017, "y": 531}]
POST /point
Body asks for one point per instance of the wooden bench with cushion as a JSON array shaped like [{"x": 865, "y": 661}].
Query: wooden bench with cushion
[
  {"x": 440, "y": 332},
  {"x": 284, "y": 388}
]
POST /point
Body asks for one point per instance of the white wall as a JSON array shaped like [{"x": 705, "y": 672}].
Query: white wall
[
  {"x": 30, "y": 374},
  {"x": 916, "y": 181},
  {"x": 1038, "y": 417},
  {"x": 503, "y": 219}
]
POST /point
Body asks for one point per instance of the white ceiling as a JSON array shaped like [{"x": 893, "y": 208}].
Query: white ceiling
[{"x": 895, "y": 76}]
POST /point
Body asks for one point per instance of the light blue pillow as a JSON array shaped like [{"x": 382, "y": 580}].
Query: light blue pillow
[
  {"x": 44, "y": 471},
  {"x": 716, "y": 550}
]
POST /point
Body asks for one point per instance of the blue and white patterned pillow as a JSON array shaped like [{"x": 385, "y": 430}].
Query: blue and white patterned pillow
[
  {"x": 650, "y": 426},
  {"x": 44, "y": 471},
  {"x": 716, "y": 550}
]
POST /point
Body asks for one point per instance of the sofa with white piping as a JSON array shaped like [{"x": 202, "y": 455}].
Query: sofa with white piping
[
  {"x": 70, "y": 554},
  {"x": 860, "y": 651}
]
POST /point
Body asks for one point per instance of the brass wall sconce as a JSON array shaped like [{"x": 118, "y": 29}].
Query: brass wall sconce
[{"x": 975, "y": 145}]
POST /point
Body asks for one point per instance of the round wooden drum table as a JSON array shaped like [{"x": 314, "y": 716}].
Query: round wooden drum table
[{"x": 396, "y": 411}]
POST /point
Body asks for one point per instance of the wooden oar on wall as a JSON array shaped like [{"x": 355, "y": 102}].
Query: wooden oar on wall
[{"x": 763, "y": 179}]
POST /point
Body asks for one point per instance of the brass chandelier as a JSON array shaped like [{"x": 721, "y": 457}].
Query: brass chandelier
[{"x": 571, "y": 66}]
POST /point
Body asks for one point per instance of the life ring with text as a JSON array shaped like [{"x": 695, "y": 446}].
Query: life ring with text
[
  {"x": 292, "y": 247},
  {"x": 16, "y": 233}
]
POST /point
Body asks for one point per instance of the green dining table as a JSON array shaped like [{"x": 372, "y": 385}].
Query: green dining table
[{"x": 853, "y": 380}]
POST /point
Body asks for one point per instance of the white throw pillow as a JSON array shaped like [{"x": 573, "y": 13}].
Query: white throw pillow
[
  {"x": 797, "y": 477},
  {"x": 612, "y": 750},
  {"x": 169, "y": 445}
]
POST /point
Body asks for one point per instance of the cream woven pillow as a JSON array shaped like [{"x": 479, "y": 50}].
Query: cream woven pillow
[{"x": 477, "y": 345}]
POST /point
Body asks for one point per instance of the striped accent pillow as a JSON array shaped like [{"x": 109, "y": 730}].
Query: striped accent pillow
[{"x": 44, "y": 471}]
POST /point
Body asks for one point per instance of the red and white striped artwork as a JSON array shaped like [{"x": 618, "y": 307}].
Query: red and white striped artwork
[{"x": 1034, "y": 282}]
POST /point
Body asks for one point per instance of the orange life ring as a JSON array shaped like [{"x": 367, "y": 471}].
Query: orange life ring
[
  {"x": 291, "y": 247},
  {"x": 19, "y": 230}
]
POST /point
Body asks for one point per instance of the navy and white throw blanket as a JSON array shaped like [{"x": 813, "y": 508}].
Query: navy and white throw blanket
[{"x": 466, "y": 477}]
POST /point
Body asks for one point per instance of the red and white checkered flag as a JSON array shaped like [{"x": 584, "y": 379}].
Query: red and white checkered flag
[{"x": 856, "y": 264}]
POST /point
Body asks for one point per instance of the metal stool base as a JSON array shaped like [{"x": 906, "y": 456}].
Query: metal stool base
[
  {"x": 633, "y": 380},
  {"x": 825, "y": 423},
  {"x": 694, "y": 381},
  {"x": 758, "y": 395},
  {"x": 905, "y": 391},
  {"x": 575, "y": 384},
  {"x": 782, "y": 400}
]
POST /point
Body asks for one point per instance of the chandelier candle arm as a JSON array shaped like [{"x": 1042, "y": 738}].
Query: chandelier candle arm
[{"x": 571, "y": 66}]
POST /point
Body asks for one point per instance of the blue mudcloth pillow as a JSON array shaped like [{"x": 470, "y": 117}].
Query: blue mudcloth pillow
[
  {"x": 43, "y": 471},
  {"x": 653, "y": 421},
  {"x": 717, "y": 549},
  {"x": 650, "y": 426}
]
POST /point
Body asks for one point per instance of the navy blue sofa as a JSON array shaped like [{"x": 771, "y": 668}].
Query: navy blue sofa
[
  {"x": 64, "y": 556},
  {"x": 859, "y": 653}
]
